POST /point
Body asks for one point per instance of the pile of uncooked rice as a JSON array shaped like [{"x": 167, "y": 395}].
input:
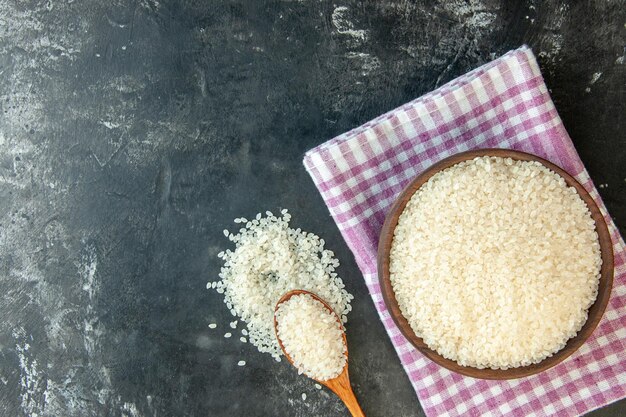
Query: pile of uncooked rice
[
  {"x": 312, "y": 337},
  {"x": 270, "y": 259},
  {"x": 495, "y": 262}
]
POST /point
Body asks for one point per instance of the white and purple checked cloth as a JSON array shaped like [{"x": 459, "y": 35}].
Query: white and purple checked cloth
[{"x": 503, "y": 104}]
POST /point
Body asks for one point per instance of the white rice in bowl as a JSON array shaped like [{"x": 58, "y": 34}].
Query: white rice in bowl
[
  {"x": 312, "y": 337},
  {"x": 495, "y": 262}
]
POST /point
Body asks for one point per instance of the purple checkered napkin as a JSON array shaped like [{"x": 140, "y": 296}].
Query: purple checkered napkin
[{"x": 503, "y": 104}]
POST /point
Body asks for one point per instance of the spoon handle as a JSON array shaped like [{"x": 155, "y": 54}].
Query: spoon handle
[
  {"x": 341, "y": 386},
  {"x": 352, "y": 404}
]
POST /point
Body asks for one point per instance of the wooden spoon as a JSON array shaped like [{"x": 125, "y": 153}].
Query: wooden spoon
[{"x": 340, "y": 385}]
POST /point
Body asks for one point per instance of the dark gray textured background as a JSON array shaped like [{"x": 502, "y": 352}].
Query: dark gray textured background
[{"x": 133, "y": 132}]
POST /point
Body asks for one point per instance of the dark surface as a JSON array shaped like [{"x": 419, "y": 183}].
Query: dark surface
[{"x": 133, "y": 132}]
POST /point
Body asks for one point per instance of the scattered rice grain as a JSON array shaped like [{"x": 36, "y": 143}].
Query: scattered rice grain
[{"x": 270, "y": 259}]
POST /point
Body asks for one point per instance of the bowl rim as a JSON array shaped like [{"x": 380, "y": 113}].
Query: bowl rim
[{"x": 594, "y": 312}]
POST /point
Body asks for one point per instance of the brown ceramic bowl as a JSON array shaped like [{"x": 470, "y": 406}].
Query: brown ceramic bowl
[{"x": 595, "y": 312}]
